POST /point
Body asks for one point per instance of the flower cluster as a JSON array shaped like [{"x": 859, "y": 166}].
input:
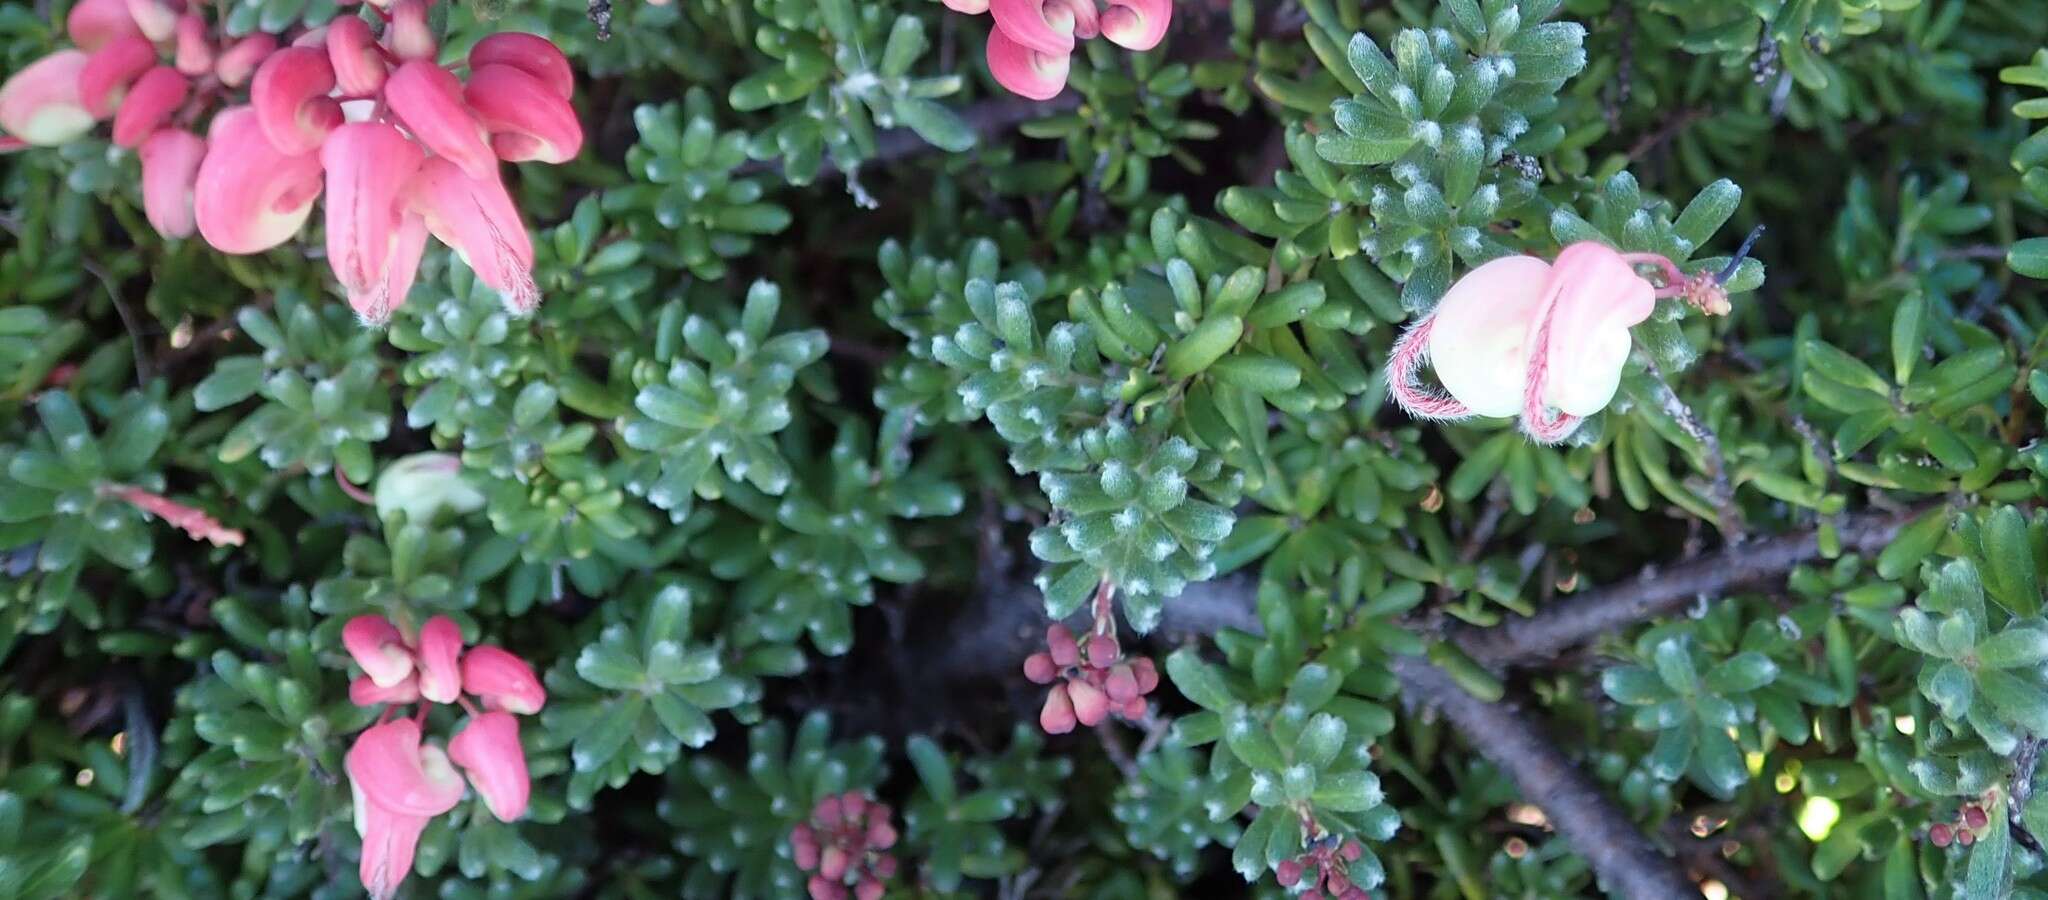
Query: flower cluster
[
  {"x": 1031, "y": 46},
  {"x": 400, "y": 783},
  {"x": 1520, "y": 336},
  {"x": 1970, "y": 822},
  {"x": 1322, "y": 870},
  {"x": 401, "y": 147},
  {"x": 1088, "y": 683},
  {"x": 845, "y": 843}
]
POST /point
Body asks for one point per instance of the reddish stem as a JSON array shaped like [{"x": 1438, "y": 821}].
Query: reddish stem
[{"x": 355, "y": 493}]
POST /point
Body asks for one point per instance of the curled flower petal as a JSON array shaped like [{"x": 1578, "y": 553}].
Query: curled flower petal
[
  {"x": 395, "y": 771},
  {"x": 428, "y": 100},
  {"x": 110, "y": 71},
  {"x": 1479, "y": 338},
  {"x": 527, "y": 120},
  {"x": 1041, "y": 25},
  {"x": 39, "y": 104},
  {"x": 157, "y": 19},
  {"x": 1137, "y": 24},
  {"x": 358, "y": 62},
  {"x": 409, "y": 36},
  {"x": 1024, "y": 71},
  {"x": 250, "y": 197},
  {"x": 194, "y": 55},
  {"x": 368, "y": 166},
  {"x": 93, "y": 24},
  {"x": 157, "y": 94},
  {"x": 363, "y": 691},
  {"x": 1598, "y": 298},
  {"x": 439, "y": 660},
  {"x": 235, "y": 64},
  {"x": 291, "y": 102},
  {"x": 530, "y": 53},
  {"x": 377, "y": 646},
  {"x": 489, "y": 753},
  {"x": 502, "y": 680},
  {"x": 1087, "y": 23},
  {"x": 170, "y": 168},
  {"x": 476, "y": 217},
  {"x": 970, "y": 7},
  {"x": 390, "y": 841}
]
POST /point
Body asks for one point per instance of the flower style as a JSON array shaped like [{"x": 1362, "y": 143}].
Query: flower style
[
  {"x": 1519, "y": 336},
  {"x": 402, "y": 147},
  {"x": 1031, "y": 46},
  {"x": 1088, "y": 683}
]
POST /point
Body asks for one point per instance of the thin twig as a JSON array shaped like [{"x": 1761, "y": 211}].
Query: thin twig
[{"x": 1723, "y": 493}]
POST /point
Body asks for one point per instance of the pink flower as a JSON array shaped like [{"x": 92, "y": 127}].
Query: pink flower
[
  {"x": 170, "y": 167},
  {"x": 151, "y": 100},
  {"x": 194, "y": 55},
  {"x": 409, "y": 36},
  {"x": 289, "y": 95},
  {"x": 970, "y": 7},
  {"x": 390, "y": 841},
  {"x": 1046, "y": 26},
  {"x": 488, "y": 751},
  {"x": 250, "y": 197},
  {"x": 157, "y": 19},
  {"x": 369, "y": 165},
  {"x": 438, "y": 660},
  {"x": 109, "y": 72},
  {"x": 362, "y": 691},
  {"x": 1521, "y": 336},
  {"x": 476, "y": 217},
  {"x": 502, "y": 680},
  {"x": 40, "y": 104},
  {"x": 428, "y": 100},
  {"x": 398, "y": 785},
  {"x": 526, "y": 119},
  {"x": 92, "y": 24},
  {"x": 532, "y": 54},
  {"x": 358, "y": 62},
  {"x": 1137, "y": 24},
  {"x": 379, "y": 648},
  {"x": 1026, "y": 72},
  {"x": 234, "y": 65}
]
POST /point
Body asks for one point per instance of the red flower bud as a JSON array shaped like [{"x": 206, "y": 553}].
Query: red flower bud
[
  {"x": 1940, "y": 835},
  {"x": 1060, "y": 643},
  {"x": 832, "y": 863},
  {"x": 881, "y": 835},
  {"x": 1103, "y": 651},
  {"x": 1090, "y": 703},
  {"x": 884, "y": 865},
  {"x": 1966, "y": 837},
  {"x": 1121, "y": 685},
  {"x": 1288, "y": 873},
  {"x": 870, "y": 889},
  {"x": 1973, "y": 816},
  {"x": 1146, "y": 673},
  {"x": 1039, "y": 668},
  {"x": 1057, "y": 717},
  {"x": 821, "y": 889}
]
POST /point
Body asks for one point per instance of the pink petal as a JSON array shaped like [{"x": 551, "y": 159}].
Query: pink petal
[
  {"x": 1137, "y": 24},
  {"x": 409, "y": 36},
  {"x": 403, "y": 269},
  {"x": 394, "y": 771},
  {"x": 195, "y": 47},
  {"x": 1047, "y": 27},
  {"x": 532, "y": 54},
  {"x": 157, "y": 94},
  {"x": 194, "y": 521},
  {"x": 488, "y": 751},
  {"x": 526, "y": 119},
  {"x": 368, "y": 166},
  {"x": 250, "y": 197},
  {"x": 238, "y": 62},
  {"x": 476, "y": 217},
  {"x": 1087, "y": 24},
  {"x": 111, "y": 69},
  {"x": 970, "y": 7},
  {"x": 93, "y": 24},
  {"x": 40, "y": 104},
  {"x": 428, "y": 100},
  {"x": 502, "y": 680},
  {"x": 1026, "y": 72},
  {"x": 377, "y": 646},
  {"x": 390, "y": 841},
  {"x": 1599, "y": 298},
  {"x": 157, "y": 19},
  {"x": 439, "y": 660},
  {"x": 170, "y": 168},
  {"x": 364, "y": 692},
  {"x": 357, "y": 60},
  {"x": 291, "y": 102},
  {"x": 1481, "y": 332}
]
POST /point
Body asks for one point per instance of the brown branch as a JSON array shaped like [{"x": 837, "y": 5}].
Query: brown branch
[{"x": 1627, "y": 863}]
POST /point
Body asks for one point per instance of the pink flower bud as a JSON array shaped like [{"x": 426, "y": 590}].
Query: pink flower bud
[
  {"x": 289, "y": 95},
  {"x": 369, "y": 165},
  {"x": 1133, "y": 709},
  {"x": 488, "y": 751},
  {"x": 394, "y": 771},
  {"x": 358, "y": 62},
  {"x": 1974, "y": 817},
  {"x": 1137, "y": 24},
  {"x": 535, "y": 55},
  {"x": 803, "y": 847},
  {"x": 1120, "y": 685},
  {"x": 390, "y": 841},
  {"x": 1059, "y": 642},
  {"x": 1102, "y": 650},
  {"x": 884, "y": 865},
  {"x": 1352, "y": 850},
  {"x": 970, "y": 7},
  {"x": 156, "y": 19},
  {"x": 1028, "y": 73},
  {"x": 378, "y": 648},
  {"x": 429, "y": 101},
  {"x": 93, "y": 24},
  {"x": 409, "y": 36},
  {"x": 821, "y": 888},
  {"x": 250, "y": 197},
  {"x": 1047, "y": 27},
  {"x": 195, "y": 46},
  {"x": 40, "y": 104},
  {"x": 1288, "y": 873},
  {"x": 170, "y": 168},
  {"x": 527, "y": 121},
  {"x": 110, "y": 71},
  {"x": 870, "y": 888},
  {"x": 476, "y": 217},
  {"x": 1965, "y": 837},
  {"x": 1039, "y": 668},
  {"x": 1091, "y": 705},
  {"x": 1146, "y": 673},
  {"x": 1941, "y": 834},
  {"x": 364, "y": 692},
  {"x": 832, "y": 862},
  {"x": 1057, "y": 717},
  {"x": 880, "y": 834},
  {"x": 239, "y": 61},
  {"x": 852, "y": 806},
  {"x": 157, "y": 94},
  {"x": 502, "y": 680},
  {"x": 827, "y": 813},
  {"x": 439, "y": 660}
]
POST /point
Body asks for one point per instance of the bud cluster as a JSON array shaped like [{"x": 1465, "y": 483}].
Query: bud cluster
[
  {"x": 846, "y": 843},
  {"x": 1088, "y": 683}
]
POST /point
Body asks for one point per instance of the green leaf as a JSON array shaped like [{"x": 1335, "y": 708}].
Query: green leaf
[
  {"x": 1990, "y": 872},
  {"x": 2019, "y": 700},
  {"x": 938, "y": 125},
  {"x": 933, "y": 769},
  {"x": 2029, "y": 257},
  {"x": 1348, "y": 792},
  {"x": 1198, "y": 681},
  {"x": 2014, "y": 647},
  {"x": 1842, "y": 367},
  {"x": 1742, "y": 673},
  {"x": 2009, "y": 562},
  {"x": 1203, "y": 346},
  {"x": 1634, "y": 685}
]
